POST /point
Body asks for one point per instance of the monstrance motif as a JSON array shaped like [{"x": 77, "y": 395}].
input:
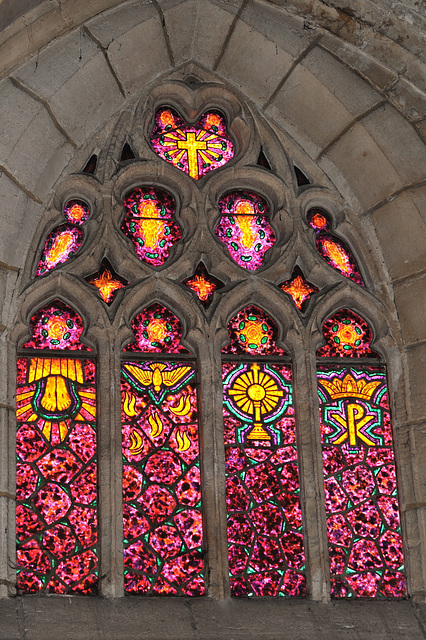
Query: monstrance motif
[{"x": 195, "y": 149}]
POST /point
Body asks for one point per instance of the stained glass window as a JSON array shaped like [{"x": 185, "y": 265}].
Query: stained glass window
[
  {"x": 299, "y": 289},
  {"x": 244, "y": 228},
  {"x": 149, "y": 224},
  {"x": 196, "y": 148},
  {"x": 332, "y": 250},
  {"x": 66, "y": 239},
  {"x": 56, "y": 512},
  {"x": 265, "y": 539},
  {"x": 203, "y": 284},
  {"x": 163, "y": 529},
  {"x": 107, "y": 282},
  {"x": 361, "y": 501}
]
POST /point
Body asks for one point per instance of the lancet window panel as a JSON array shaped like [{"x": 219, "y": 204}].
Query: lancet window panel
[
  {"x": 56, "y": 449},
  {"x": 264, "y": 520},
  {"x": 360, "y": 483},
  {"x": 162, "y": 516}
]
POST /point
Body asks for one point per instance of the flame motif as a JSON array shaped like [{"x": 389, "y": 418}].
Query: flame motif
[
  {"x": 136, "y": 443},
  {"x": 156, "y": 425},
  {"x": 129, "y": 405},
  {"x": 183, "y": 441},
  {"x": 183, "y": 407}
]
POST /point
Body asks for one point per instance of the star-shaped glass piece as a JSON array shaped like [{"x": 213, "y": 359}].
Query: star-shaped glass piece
[
  {"x": 298, "y": 288},
  {"x": 203, "y": 284},
  {"x": 107, "y": 281}
]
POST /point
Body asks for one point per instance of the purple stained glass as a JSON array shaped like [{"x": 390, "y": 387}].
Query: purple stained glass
[
  {"x": 252, "y": 331},
  {"x": 56, "y": 515},
  {"x": 163, "y": 544},
  {"x": 331, "y": 249},
  {"x": 56, "y": 326},
  {"x": 196, "y": 148},
  {"x": 265, "y": 538},
  {"x": 156, "y": 330},
  {"x": 365, "y": 546},
  {"x": 244, "y": 228},
  {"x": 149, "y": 224}
]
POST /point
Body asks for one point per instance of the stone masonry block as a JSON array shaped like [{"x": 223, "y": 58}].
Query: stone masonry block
[
  {"x": 254, "y": 63},
  {"x": 408, "y": 99},
  {"x": 351, "y": 90},
  {"x": 404, "y": 253},
  {"x": 365, "y": 166},
  {"x": 410, "y": 299},
  {"x": 31, "y": 146},
  {"x": 137, "y": 55},
  {"x": 197, "y": 32},
  {"x": 115, "y": 23},
  {"x": 16, "y": 234},
  {"x": 417, "y": 374},
  {"x": 73, "y": 76},
  {"x": 311, "y": 108},
  {"x": 399, "y": 141}
]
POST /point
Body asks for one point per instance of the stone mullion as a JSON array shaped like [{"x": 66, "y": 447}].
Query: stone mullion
[
  {"x": 213, "y": 468},
  {"x": 311, "y": 475},
  {"x": 110, "y": 471}
]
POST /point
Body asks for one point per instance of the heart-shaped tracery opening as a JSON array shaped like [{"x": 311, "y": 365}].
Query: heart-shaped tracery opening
[{"x": 196, "y": 148}]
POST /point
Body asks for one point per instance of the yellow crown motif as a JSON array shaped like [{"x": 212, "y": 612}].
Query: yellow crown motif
[{"x": 349, "y": 387}]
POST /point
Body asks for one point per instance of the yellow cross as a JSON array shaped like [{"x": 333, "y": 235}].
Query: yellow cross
[{"x": 192, "y": 145}]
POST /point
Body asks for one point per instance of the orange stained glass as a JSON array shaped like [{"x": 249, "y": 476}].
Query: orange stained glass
[
  {"x": 298, "y": 288},
  {"x": 107, "y": 281},
  {"x": 203, "y": 284}
]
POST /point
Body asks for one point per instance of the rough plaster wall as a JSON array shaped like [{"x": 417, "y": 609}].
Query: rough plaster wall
[{"x": 345, "y": 83}]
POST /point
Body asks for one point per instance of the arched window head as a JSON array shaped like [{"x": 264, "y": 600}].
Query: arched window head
[
  {"x": 244, "y": 228},
  {"x": 66, "y": 239},
  {"x": 149, "y": 224},
  {"x": 361, "y": 501},
  {"x": 265, "y": 538},
  {"x": 196, "y": 148},
  {"x": 56, "y": 512},
  {"x": 162, "y": 517},
  {"x": 332, "y": 250}
]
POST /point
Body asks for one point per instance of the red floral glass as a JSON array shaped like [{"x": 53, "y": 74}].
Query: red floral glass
[
  {"x": 252, "y": 331},
  {"x": 361, "y": 501},
  {"x": 56, "y": 326},
  {"x": 156, "y": 330},
  {"x": 265, "y": 538},
  {"x": 331, "y": 249},
  {"x": 66, "y": 239},
  {"x": 244, "y": 228},
  {"x": 196, "y": 148},
  {"x": 149, "y": 224},
  {"x": 347, "y": 335},
  {"x": 56, "y": 514}
]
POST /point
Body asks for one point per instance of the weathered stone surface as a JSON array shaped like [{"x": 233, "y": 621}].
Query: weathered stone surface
[
  {"x": 410, "y": 299},
  {"x": 417, "y": 371}
]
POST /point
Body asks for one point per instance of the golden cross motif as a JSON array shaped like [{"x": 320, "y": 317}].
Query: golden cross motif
[{"x": 192, "y": 145}]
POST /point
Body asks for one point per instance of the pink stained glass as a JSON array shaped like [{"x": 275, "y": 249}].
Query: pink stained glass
[
  {"x": 363, "y": 516},
  {"x": 163, "y": 545},
  {"x": 76, "y": 211},
  {"x": 56, "y": 516},
  {"x": 58, "y": 327},
  {"x": 196, "y": 148},
  {"x": 332, "y": 250},
  {"x": 252, "y": 331},
  {"x": 244, "y": 228},
  {"x": 346, "y": 335},
  {"x": 265, "y": 535},
  {"x": 60, "y": 245},
  {"x": 156, "y": 330},
  {"x": 149, "y": 224}
]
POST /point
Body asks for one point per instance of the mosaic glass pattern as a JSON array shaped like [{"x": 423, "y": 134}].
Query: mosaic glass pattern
[
  {"x": 163, "y": 530},
  {"x": 156, "y": 330},
  {"x": 56, "y": 512},
  {"x": 107, "y": 282},
  {"x": 56, "y": 326},
  {"x": 265, "y": 538},
  {"x": 203, "y": 284},
  {"x": 149, "y": 224},
  {"x": 363, "y": 521},
  {"x": 299, "y": 289},
  {"x": 332, "y": 250},
  {"x": 244, "y": 228},
  {"x": 196, "y": 148},
  {"x": 252, "y": 331},
  {"x": 346, "y": 335},
  {"x": 66, "y": 239}
]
